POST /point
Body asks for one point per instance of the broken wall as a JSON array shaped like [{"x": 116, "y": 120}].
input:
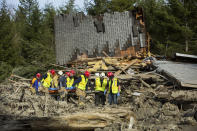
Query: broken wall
[{"x": 76, "y": 34}]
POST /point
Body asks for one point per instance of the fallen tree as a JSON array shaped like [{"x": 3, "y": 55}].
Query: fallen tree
[{"x": 178, "y": 95}]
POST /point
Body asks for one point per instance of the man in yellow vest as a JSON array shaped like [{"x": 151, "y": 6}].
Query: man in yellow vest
[
  {"x": 113, "y": 89},
  {"x": 100, "y": 85},
  {"x": 50, "y": 82},
  {"x": 82, "y": 86},
  {"x": 70, "y": 80},
  {"x": 69, "y": 84},
  {"x": 65, "y": 84},
  {"x": 46, "y": 82}
]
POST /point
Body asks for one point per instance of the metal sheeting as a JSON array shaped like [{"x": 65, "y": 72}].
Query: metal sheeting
[
  {"x": 185, "y": 73},
  {"x": 186, "y": 56}
]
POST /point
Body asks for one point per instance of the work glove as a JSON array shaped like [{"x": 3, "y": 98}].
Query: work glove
[
  {"x": 71, "y": 88},
  {"x": 39, "y": 84},
  {"x": 118, "y": 94},
  {"x": 105, "y": 92}
]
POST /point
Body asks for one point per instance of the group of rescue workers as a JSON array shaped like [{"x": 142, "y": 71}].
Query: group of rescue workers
[{"x": 63, "y": 84}]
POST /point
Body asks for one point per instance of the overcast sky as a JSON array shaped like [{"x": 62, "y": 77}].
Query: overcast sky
[{"x": 56, "y": 3}]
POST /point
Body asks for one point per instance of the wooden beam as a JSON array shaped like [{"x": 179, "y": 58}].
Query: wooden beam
[
  {"x": 105, "y": 54},
  {"x": 144, "y": 83},
  {"x": 58, "y": 66},
  {"x": 125, "y": 68},
  {"x": 179, "y": 95},
  {"x": 22, "y": 78}
]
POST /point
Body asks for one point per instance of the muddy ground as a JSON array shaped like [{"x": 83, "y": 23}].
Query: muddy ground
[{"x": 140, "y": 109}]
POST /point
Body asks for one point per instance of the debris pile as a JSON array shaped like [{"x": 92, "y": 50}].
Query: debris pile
[
  {"x": 117, "y": 65},
  {"x": 148, "y": 101}
]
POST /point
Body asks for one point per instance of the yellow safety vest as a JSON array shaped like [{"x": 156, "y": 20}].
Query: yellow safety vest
[
  {"x": 47, "y": 82},
  {"x": 114, "y": 86},
  {"x": 83, "y": 83},
  {"x": 98, "y": 84},
  {"x": 69, "y": 82}
]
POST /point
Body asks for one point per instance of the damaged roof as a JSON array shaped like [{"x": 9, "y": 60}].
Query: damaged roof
[{"x": 183, "y": 73}]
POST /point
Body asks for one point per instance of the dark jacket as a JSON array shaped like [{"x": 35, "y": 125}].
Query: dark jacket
[
  {"x": 111, "y": 85},
  {"x": 62, "y": 81},
  {"x": 36, "y": 84},
  {"x": 78, "y": 81}
]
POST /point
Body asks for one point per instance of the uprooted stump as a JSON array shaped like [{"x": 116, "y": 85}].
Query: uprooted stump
[
  {"x": 92, "y": 120},
  {"x": 82, "y": 121}
]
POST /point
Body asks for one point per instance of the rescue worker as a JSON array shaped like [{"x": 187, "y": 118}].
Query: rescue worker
[
  {"x": 72, "y": 72},
  {"x": 70, "y": 80},
  {"x": 69, "y": 84},
  {"x": 100, "y": 85},
  {"x": 113, "y": 89},
  {"x": 35, "y": 84},
  {"x": 54, "y": 80},
  {"x": 82, "y": 86},
  {"x": 47, "y": 81},
  {"x": 62, "y": 85},
  {"x": 62, "y": 80},
  {"x": 53, "y": 90}
]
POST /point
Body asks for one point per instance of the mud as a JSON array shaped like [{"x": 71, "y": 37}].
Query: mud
[{"x": 20, "y": 110}]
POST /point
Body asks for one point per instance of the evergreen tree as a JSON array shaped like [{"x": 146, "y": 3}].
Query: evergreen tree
[
  {"x": 48, "y": 39},
  {"x": 166, "y": 19},
  {"x": 121, "y": 5},
  {"x": 98, "y": 7},
  {"x": 68, "y": 8},
  {"x": 8, "y": 57},
  {"x": 49, "y": 15},
  {"x": 28, "y": 36},
  {"x": 191, "y": 24},
  {"x": 29, "y": 15},
  {"x": 36, "y": 35},
  {"x": 7, "y": 36}
]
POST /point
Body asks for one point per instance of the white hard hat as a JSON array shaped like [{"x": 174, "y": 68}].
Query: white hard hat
[
  {"x": 102, "y": 74},
  {"x": 97, "y": 74},
  {"x": 60, "y": 73}
]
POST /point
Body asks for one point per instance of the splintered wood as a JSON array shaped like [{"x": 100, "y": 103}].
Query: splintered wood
[
  {"x": 126, "y": 67},
  {"x": 97, "y": 119},
  {"x": 146, "y": 98},
  {"x": 86, "y": 120},
  {"x": 117, "y": 65}
]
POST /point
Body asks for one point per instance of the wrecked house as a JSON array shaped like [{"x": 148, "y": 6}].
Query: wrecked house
[
  {"x": 150, "y": 98},
  {"x": 117, "y": 34}
]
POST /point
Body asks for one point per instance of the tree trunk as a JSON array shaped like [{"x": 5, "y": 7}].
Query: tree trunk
[
  {"x": 186, "y": 41},
  {"x": 186, "y": 45},
  {"x": 184, "y": 96}
]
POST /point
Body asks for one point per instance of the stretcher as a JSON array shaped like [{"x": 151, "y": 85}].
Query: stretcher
[
  {"x": 71, "y": 89},
  {"x": 53, "y": 90}
]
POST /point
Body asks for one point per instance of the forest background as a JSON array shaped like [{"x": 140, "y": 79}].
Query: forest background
[{"x": 27, "y": 41}]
